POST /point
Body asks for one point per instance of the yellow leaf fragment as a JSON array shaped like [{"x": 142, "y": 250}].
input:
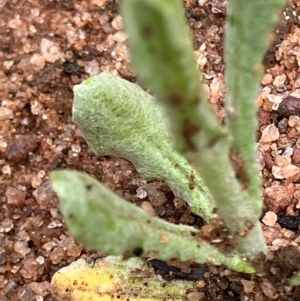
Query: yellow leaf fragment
[{"x": 114, "y": 279}]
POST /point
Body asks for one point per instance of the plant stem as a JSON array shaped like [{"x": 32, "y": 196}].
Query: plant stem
[{"x": 233, "y": 204}]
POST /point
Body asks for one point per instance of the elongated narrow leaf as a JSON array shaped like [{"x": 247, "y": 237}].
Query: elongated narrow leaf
[
  {"x": 247, "y": 38},
  {"x": 101, "y": 220}
]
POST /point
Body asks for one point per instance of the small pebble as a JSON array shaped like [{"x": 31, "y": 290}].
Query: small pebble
[
  {"x": 76, "y": 148},
  {"x": 270, "y": 218},
  {"x": 19, "y": 148},
  {"x": 98, "y": 3},
  {"x": 275, "y": 100},
  {"x": 10, "y": 288},
  {"x": 15, "y": 23},
  {"x": 195, "y": 296},
  {"x": 38, "y": 62},
  {"x": 148, "y": 208},
  {"x": 267, "y": 79},
  {"x": 57, "y": 255},
  {"x": 290, "y": 171},
  {"x": 279, "y": 82},
  {"x": 51, "y": 51},
  {"x": 73, "y": 249},
  {"x": 277, "y": 172},
  {"x": 15, "y": 197},
  {"x": 6, "y": 225},
  {"x": 35, "y": 107},
  {"x": 293, "y": 121},
  {"x": 296, "y": 156},
  {"x": 278, "y": 197},
  {"x": 36, "y": 181},
  {"x": 55, "y": 224},
  {"x": 117, "y": 23},
  {"x": 268, "y": 289},
  {"x": 155, "y": 195},
  {"x": 21, "y": 247},
  {"x": 282, "y": 160},
  {"x": 92, "y": 68},
  {"x": 289, "y": 106},
  {"x": 288, "y": 151},
  {"x": 6, "y": 114},
  {"x": 282, "y": 125},
  {"x": 40, "y": 260},
  {"x": 6, "y": 170},
  {"x": 141, "y": 193},
  {"x": 270, "y": 133},
  {"x": 44, "y": 195},
  {"x": 29, "y": 269},
  {"x": 248, "y": 285},
  {"x": 8, "y": 64},
  {"x": 40, "y": 288}
]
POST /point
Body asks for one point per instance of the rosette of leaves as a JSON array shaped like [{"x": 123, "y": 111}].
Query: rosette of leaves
[{"x": 119, "y": 118}]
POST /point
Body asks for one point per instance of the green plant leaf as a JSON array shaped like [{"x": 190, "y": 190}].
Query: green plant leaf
[
  {"x": 101, "y": 220},
  {"x": 247, "y": 37},
  {"x": 118, "y": 118}
]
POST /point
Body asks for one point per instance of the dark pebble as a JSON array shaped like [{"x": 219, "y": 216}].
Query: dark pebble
[
  {"x": 289, "y": 106},
  {"x": 70, "y": 67},
  {"x": 289, "y": 222},
  {"x": 19, "y": 148}
]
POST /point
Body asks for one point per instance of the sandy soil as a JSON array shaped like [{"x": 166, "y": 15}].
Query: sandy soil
[{"x": 46, "y": 47}]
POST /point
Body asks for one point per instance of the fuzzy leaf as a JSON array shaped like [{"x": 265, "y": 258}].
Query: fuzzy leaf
[
  {"x": 101, "y": 220},
  {"x": 247, "y": 37},
  {"x": 118, "y": 118}
]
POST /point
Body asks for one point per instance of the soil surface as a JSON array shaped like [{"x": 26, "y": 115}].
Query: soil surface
[{"x": 47, "y": 47}]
